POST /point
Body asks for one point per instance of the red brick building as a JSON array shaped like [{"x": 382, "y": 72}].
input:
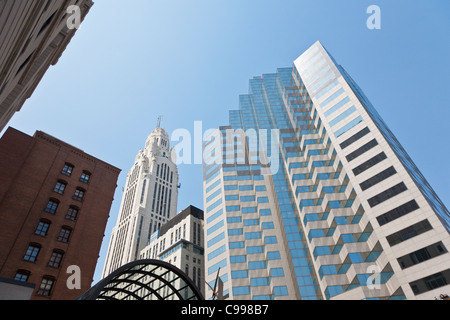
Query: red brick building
[{"x": 54, "y": 205}]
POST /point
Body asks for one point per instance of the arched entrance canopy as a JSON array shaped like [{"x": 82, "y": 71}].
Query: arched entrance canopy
[{"x": 145, "y": 280}]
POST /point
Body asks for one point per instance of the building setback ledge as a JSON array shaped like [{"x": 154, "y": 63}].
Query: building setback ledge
[{"x": 17, "y": 283}]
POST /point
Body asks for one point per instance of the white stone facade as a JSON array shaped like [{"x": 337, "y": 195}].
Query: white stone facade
[
  {"x": 180, "y": 242},
  {"x": 149, "y": 201}
]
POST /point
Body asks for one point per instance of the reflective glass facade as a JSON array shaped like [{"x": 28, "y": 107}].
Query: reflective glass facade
[{"x": 307, "y": 189}]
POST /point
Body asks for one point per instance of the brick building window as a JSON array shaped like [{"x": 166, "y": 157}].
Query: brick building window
[
  {"x": 68, "y": 169},
  {"x": 56, "y": 258},
  {"x": 60, "y": 187},
  {"x": 46, "y": 286},
  {"x": 32, "y": 252},
  {"x": 52, "y": 206},
  {"x": 85, "y": 177},
  {"x": 64, "y": 234},
  {"x": 22, "y": 275},
  {"x": 79, "y": 194},
  {"x": 42, "y": 228},
  {"x": 72, "y": 213}
]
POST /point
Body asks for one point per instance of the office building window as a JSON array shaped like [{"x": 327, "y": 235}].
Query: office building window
[
  {"x": 409, "y": 232},
  {"x": 194, "y": 274},
  {"x": 280, "y": 291},
  {"x": 239, "y": 291},
  {"x": 368, "y": 146},
  {"x": 422, "y": 255},
  {"x": 386, "y": 195},
  {"x": 397, "y": 212},
  {"x": 369, "y": 163},
  {"x": 355, "y": 138},
  {"x": 432, "y": 282},
  {"x": 378, "y": 178}
]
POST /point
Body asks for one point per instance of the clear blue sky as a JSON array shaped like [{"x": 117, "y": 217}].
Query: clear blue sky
[{"x": 189, "y": 60}]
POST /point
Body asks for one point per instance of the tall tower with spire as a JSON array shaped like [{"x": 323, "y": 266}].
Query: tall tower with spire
[{"x": 149, "y": 200}]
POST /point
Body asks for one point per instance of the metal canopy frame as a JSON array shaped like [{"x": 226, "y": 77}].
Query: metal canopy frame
[{"x": 145, "y": 280}]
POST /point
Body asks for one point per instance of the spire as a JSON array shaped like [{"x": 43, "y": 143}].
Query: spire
[{"x": 158, "y": 124}]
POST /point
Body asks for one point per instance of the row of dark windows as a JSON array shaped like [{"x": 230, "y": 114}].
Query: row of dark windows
[
  {"x": 53, "y": 205},
  {"x": 422, "y": 255},
  {"x": 397, "y": 212},
  {"x": 55, "y": 261},
  {"x": 33, "y": 250},
  {"x": 46, "y": 286},
  {"x": 409, "y": 232},
  {"x": 435, "y": 250},
  {"x": 393, "y": 214},
  {"x": 368, "y": 146},
  {"x": 68, "y": 170},
  {"x": 378, "y": 178},
  {"x": 162, "y": 202},
  {"x": 388, "y": 194},
  {"x": 354, "y": 138},
  {"x": 43, "y": 227},
  {"x": 422, "y": 285},
  {"x": 196, "y": 274},
  {"x": 369, "y": 163},
  {"x": 432, "y": 282},
  {"x": 164, "y": 173},
  {"x": 197, "y": 234},
  {"x": 61, "y": 186}
]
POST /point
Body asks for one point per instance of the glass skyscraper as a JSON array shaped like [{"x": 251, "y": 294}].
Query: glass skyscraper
[{"x": 308, "y": 195}]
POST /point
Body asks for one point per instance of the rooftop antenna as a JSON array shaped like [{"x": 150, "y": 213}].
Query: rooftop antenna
[{"x": 158, "y": 124}]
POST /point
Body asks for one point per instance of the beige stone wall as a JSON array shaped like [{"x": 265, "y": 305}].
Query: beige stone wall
[{"x": 33, "y": 35}]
